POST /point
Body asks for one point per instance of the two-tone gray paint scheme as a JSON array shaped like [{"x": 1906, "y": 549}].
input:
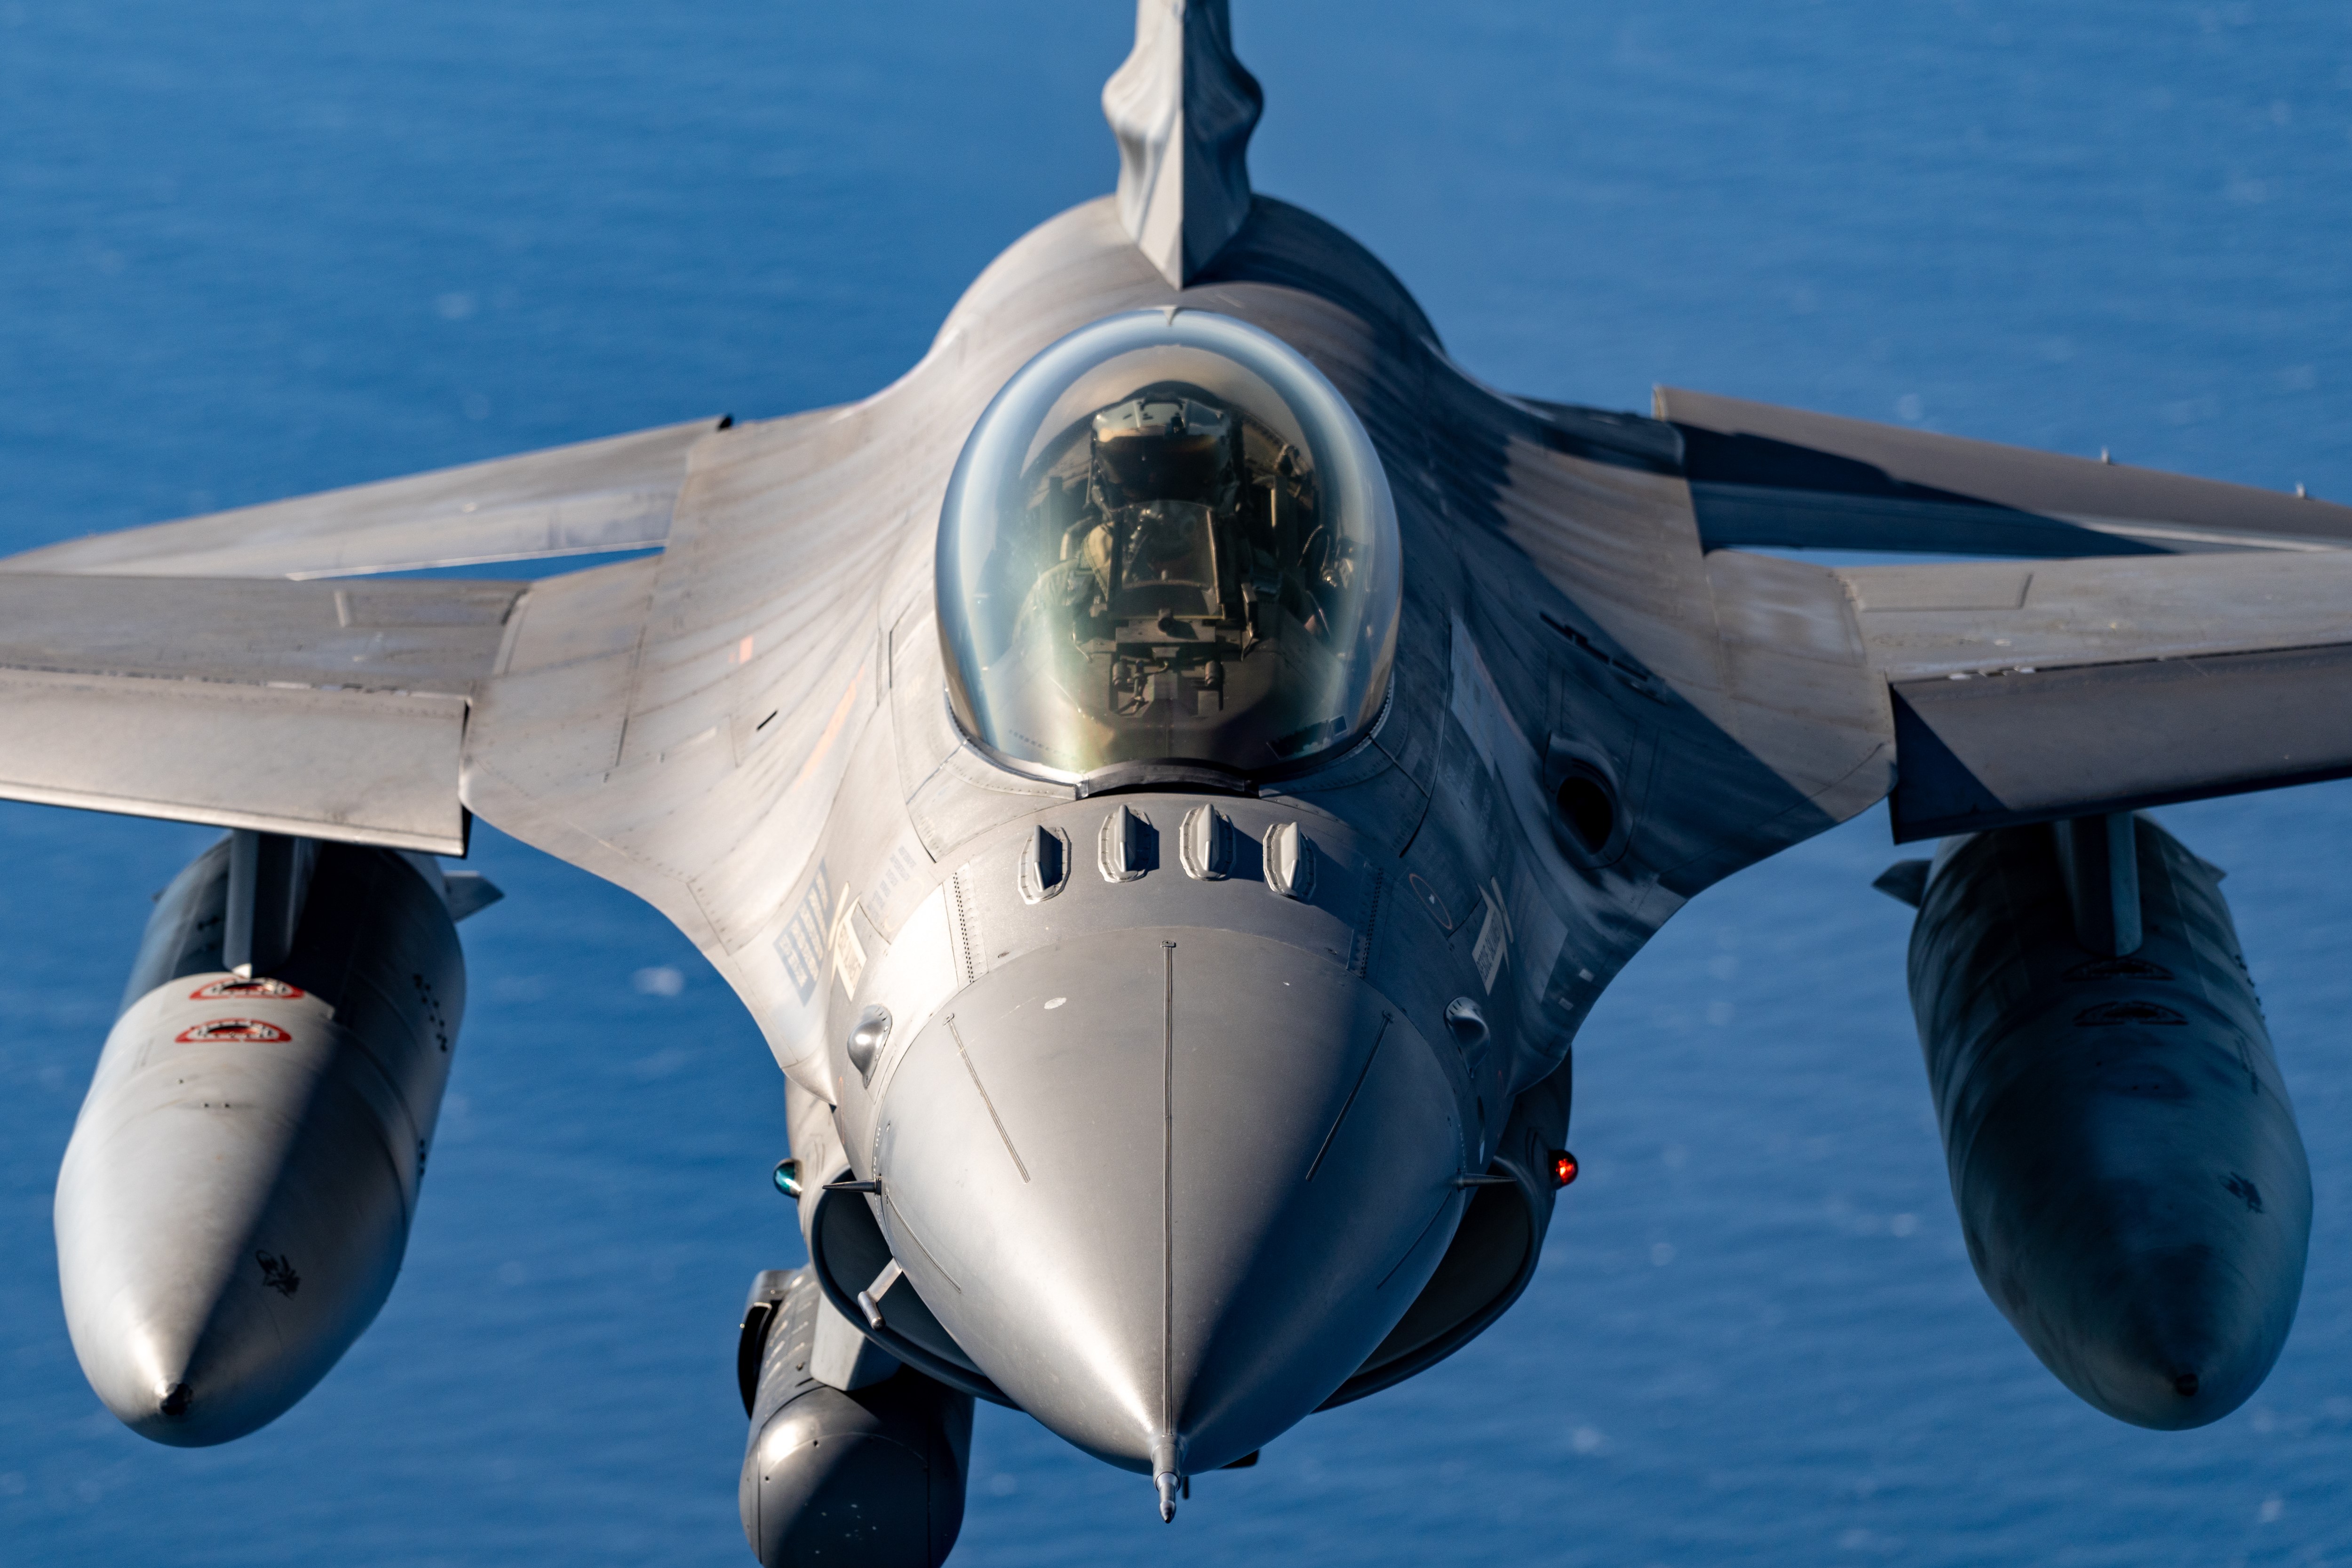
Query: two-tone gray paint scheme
[
  {"x": 1214, "y": 1186},
  {"x": 238, "y": 1190}
]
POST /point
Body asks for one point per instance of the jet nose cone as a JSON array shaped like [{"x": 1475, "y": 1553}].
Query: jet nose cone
[{"x": 1169, "y": 1188}]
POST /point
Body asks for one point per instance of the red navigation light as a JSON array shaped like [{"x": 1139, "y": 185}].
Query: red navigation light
[{"x": 1563, "y": 1167}]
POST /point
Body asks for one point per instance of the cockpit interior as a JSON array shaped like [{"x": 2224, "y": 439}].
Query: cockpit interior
[{"x": 1179, "y": 571}]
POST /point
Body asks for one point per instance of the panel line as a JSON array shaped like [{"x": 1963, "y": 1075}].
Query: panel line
[
  {"x": 957, "y": 1036},
  {"x": 1350, "y": 1104},
  {"x": 1168, "y": 1201}
]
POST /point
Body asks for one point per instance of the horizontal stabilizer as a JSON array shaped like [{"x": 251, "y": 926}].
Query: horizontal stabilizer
[
  {"x": 599, "y": 496},
  {"x": 314, "y": 709},
  {"x": 1761, "y": 474},
  {"x": 2029, "y": 692},
  {"x": 1988, "y": 752}
]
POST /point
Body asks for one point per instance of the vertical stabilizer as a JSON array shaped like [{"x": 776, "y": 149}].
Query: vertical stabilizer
[{"x": 1182, "y": 108}]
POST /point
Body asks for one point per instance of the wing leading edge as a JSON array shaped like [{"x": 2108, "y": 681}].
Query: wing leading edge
[
  {"x": 615, "y": 494},
  {"x": 1761, "y": 474}
]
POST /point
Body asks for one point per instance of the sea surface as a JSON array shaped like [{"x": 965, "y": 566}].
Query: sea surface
[{"x": 249, "y": 250}]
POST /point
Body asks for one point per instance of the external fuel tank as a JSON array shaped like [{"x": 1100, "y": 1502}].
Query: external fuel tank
[
  {"x": 236, "y": 1195},
  {"x": 2130, "y": 1181}
]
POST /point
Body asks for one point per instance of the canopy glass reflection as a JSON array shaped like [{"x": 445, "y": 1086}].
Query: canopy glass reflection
[{"x": 1168, "y": 540}]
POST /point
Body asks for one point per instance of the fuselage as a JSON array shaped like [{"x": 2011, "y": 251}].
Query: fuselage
[{"x": 1165, "y": 1155}]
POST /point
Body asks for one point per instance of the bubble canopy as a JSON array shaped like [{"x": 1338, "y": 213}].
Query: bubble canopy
[{"x": 1169, "y": 540}]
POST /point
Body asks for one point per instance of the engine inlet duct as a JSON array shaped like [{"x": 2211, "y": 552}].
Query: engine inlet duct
[{"x": 2130, "y": 1181}]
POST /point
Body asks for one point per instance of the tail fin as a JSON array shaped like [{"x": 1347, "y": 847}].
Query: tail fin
[{"x": 1182, "y": 108}]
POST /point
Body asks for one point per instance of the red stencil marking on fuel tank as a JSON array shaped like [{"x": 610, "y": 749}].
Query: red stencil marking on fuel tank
[
  {"x": 244, "y": 990},
  {"x": 234, "y": 1029}
]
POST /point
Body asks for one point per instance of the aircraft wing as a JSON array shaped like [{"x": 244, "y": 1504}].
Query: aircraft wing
[
  {"x": 173, "y": 671},
  {"x": 2022, "y": 690},
  {"x": 615, "y": 494},
  {"x": 1761, "y": 474},
  {"x": 332, "y": 712}
]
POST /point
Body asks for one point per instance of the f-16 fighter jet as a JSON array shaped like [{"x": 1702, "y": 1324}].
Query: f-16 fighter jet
[{"x": 1169, "y": 776}]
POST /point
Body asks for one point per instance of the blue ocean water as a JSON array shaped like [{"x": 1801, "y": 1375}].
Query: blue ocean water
[{"x": 250, "y": 249}]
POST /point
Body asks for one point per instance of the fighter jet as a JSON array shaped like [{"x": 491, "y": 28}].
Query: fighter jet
[{"x": 1170, "y": 775}]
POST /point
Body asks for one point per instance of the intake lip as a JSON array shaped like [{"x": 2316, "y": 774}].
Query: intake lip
[{"x": 1167, "y": 1188}]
